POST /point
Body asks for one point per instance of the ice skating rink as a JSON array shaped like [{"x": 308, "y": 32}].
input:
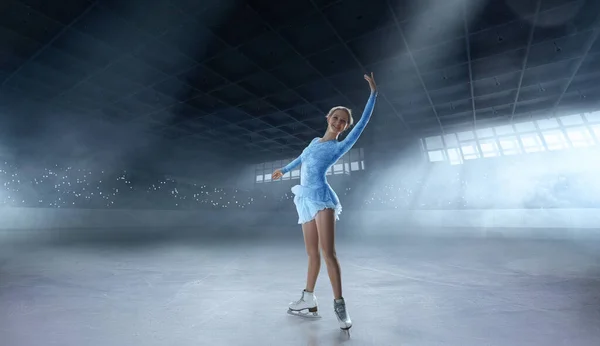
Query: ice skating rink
[{"x": 96, "y": 291}]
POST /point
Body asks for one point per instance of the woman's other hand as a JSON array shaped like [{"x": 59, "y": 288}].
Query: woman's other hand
[
  {"x": 277, "y": 174},
  {"x": 371, "y": 81}
]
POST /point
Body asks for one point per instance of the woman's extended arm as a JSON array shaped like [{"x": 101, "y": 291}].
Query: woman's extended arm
[
  {"x": 355, "y": 133},
  {"x": 353, "y": 136},
  {"x": 278, "y": 173},
  {"x": 290, "y": 166}
]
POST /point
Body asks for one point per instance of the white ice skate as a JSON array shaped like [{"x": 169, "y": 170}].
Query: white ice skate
[
  {"x": 305, "y": 307},
  {"x": 339, "y": 306}
]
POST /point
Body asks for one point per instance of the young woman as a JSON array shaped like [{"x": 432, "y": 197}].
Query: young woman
[{"x": 318, "y": 205}]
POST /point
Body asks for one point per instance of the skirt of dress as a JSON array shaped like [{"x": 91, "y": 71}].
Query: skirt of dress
[{"x": 309, "y": 201}]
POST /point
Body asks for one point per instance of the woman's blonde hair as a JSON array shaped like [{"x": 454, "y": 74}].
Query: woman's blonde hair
[{"x": 342, "y": 108}]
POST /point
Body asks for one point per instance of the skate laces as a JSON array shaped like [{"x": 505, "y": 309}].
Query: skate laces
[{"x": 297, "y": 302}]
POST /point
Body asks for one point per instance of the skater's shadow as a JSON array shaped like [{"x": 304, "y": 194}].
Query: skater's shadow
[{"x": 317, "y": 336}]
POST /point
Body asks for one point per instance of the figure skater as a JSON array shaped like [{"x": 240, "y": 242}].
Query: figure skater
[{"x": 318, "y": 205}]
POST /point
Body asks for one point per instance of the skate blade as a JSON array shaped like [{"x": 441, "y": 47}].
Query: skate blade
[
  {"x": 345, "y": 327},
  {"x": 308, "y": 315},
  {"x": 344, "y": 335}
]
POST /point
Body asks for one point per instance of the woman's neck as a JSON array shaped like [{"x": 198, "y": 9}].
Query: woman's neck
[{"x": 328, "y": 136}]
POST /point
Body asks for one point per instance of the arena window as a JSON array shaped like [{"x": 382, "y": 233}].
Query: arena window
[{"x": 565, "y": 132}]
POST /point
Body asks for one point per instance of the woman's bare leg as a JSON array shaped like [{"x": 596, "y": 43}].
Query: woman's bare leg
[
  {"x": 311, "y": 242},
  {"x": 326, "y": 229}
]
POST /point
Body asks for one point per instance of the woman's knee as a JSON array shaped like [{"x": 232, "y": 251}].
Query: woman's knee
[
  {"x": 330, "y": 256},
  {"x": 313, "y": 254}
]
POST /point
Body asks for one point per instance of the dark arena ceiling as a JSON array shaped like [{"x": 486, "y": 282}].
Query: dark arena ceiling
[{"x": 255, "y": 78}]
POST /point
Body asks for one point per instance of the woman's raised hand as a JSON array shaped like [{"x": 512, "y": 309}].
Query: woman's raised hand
[
  {"x": 277, "y": 174},
  {"x": 371, "y": 81}
]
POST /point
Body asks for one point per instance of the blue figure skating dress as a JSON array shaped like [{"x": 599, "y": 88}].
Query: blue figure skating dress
[{"x": 314, "y": 193}]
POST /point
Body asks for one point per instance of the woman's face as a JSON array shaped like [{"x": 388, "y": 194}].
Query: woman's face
[{"x": 338, "y": 121}]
